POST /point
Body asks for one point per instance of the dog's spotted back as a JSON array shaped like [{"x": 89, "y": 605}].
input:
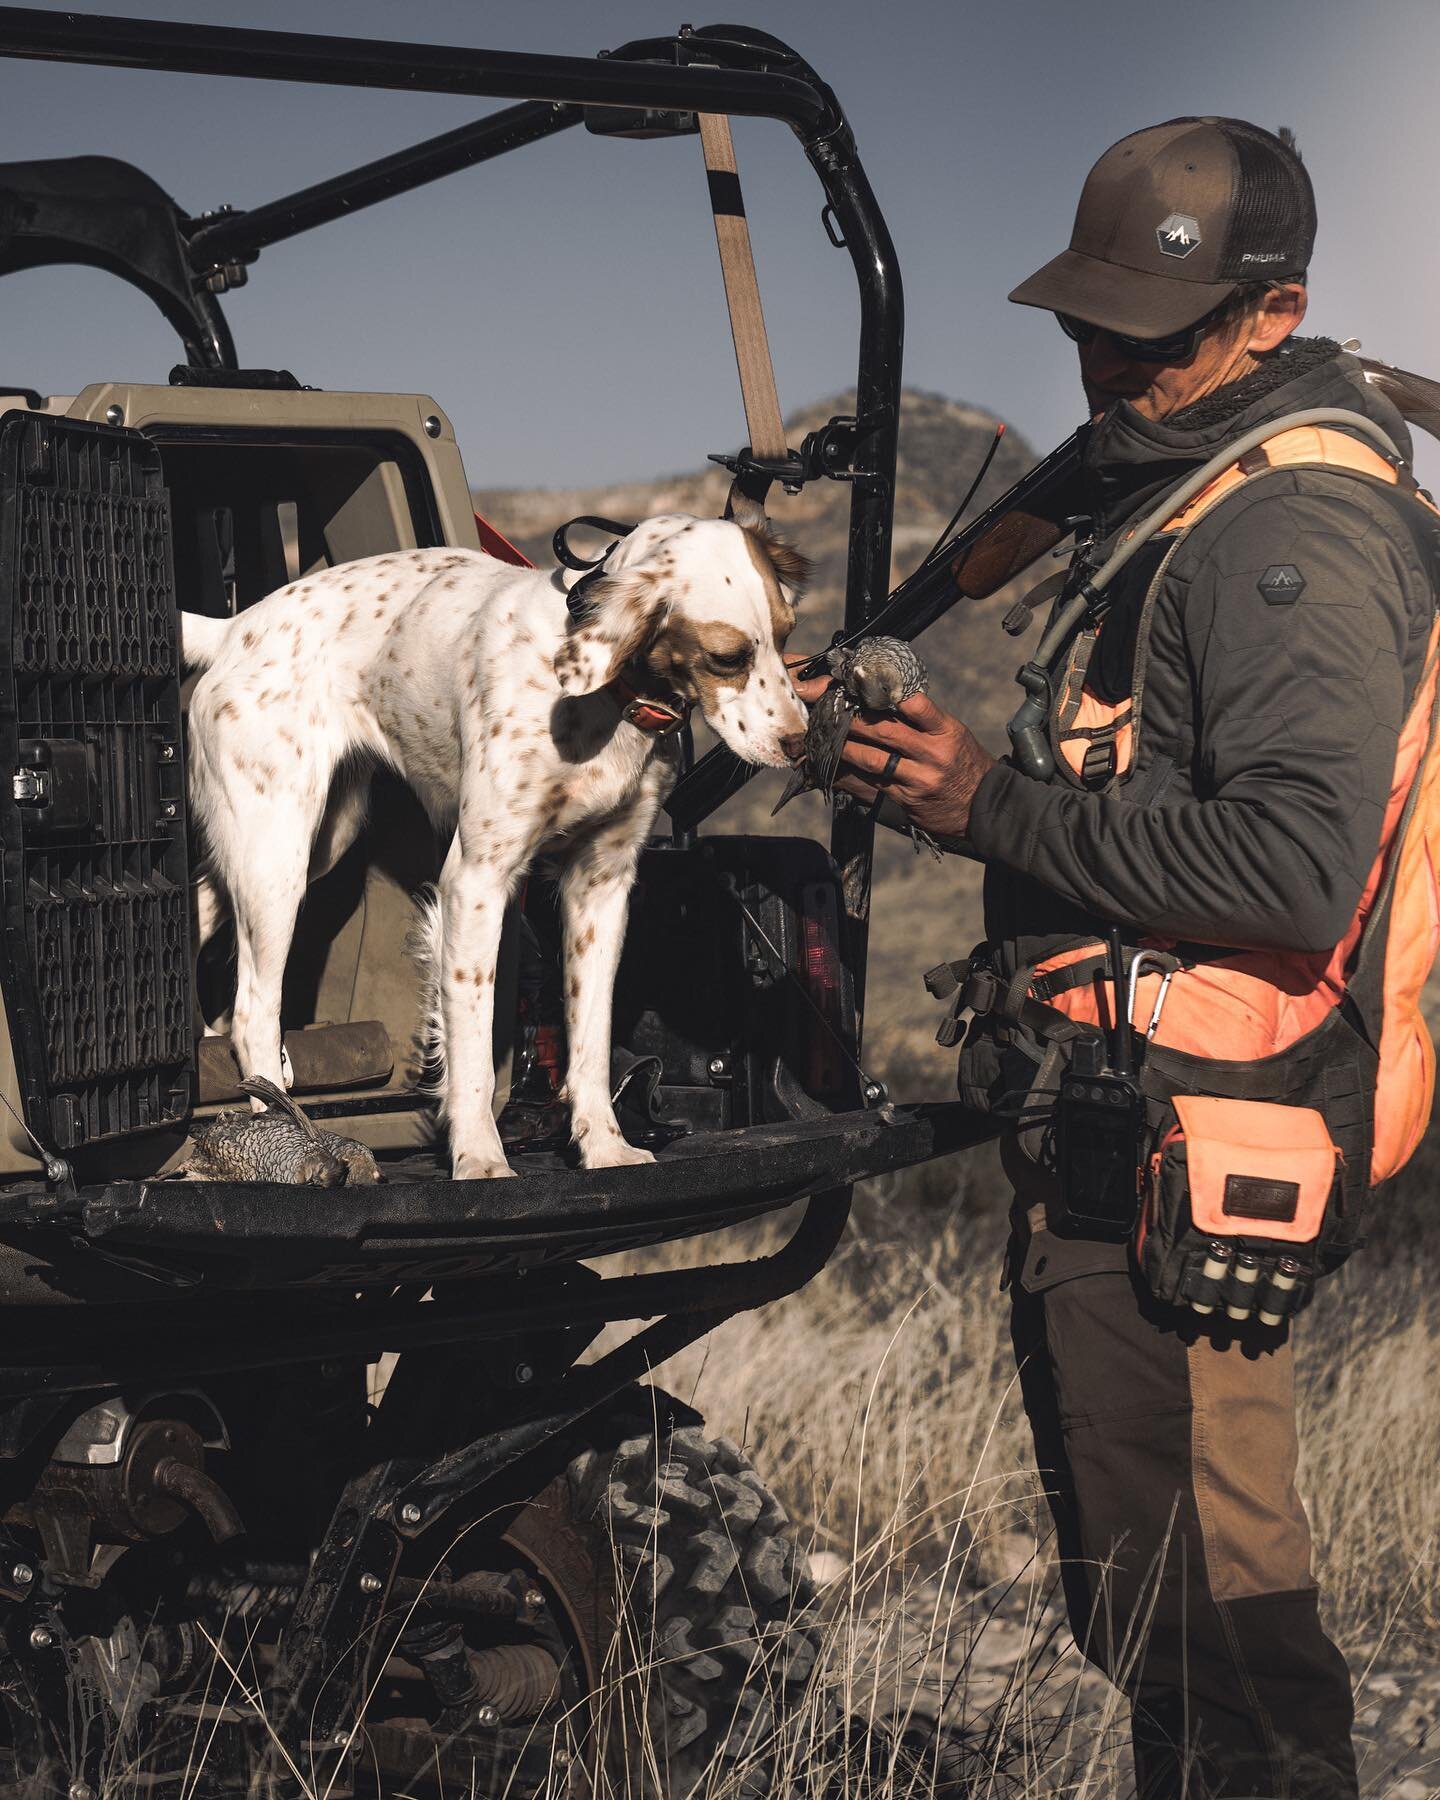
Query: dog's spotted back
[{"x": 507, "y": 717}]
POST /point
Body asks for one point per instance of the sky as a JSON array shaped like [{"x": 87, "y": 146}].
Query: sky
[{"x": 564, "y": 304}]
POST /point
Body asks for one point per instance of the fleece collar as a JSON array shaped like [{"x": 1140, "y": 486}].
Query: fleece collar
[{"x": 1130, "y": 462}]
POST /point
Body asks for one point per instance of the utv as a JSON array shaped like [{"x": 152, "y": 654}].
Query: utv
[{"x": 231, "y": 1563}]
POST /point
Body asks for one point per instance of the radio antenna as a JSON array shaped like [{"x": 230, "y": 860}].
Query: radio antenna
[{"x": 970, "y": 494}]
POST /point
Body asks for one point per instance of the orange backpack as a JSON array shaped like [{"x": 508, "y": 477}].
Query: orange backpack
[{"x": 1249, "y": 1005}]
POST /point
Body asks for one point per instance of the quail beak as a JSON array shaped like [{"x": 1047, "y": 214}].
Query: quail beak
[{"x": 324, "y": 1170}]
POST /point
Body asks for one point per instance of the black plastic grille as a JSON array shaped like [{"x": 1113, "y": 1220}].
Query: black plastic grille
[{"x": 96, "y": 888}]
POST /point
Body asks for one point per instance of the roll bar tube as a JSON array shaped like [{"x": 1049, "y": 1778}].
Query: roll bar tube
[
  {"x": 243, "y": 234},
  {"x": 230, "y": 50}
]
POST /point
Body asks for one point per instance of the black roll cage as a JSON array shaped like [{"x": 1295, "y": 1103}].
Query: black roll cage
[
  {"x": 109, "y": 215},
  {"x": 183, "y": 262}
]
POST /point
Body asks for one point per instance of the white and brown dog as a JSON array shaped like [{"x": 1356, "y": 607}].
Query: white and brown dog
[{"x": 519, "y": 726}]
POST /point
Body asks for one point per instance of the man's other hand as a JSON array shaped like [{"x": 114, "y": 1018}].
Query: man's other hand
[{"x": 809, "y": 691}]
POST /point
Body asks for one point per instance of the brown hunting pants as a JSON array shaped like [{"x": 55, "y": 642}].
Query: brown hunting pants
[{"x": 1168, "y": 1455}]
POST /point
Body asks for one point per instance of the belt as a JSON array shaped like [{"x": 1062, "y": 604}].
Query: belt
[{"x": 976, "y": 990}]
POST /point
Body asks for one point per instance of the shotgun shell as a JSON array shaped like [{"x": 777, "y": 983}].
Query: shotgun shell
[
  {"x": 1217, "y": 1260},
  {"x": 1244, "y": 1277},
  {"x": 1283, "y": 1279}
]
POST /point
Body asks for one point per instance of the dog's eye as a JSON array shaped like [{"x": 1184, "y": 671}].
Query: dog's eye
[{"x": 729, "y": 662}]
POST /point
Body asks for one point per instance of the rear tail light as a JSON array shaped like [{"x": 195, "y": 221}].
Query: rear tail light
[
  {"x": 823, "y": 974},
  {"x": 548, "y": 1054}
]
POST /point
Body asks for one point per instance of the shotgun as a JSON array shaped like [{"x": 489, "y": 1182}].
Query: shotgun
[{"x": 1031, "y": 518}]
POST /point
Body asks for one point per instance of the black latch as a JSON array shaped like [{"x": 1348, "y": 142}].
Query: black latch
[
  {"x": 639, "y": 122},
  {"x": 54, "y": 784},
  {"x": 828, "y": 452},
  {"x": 219, "y": 277}
]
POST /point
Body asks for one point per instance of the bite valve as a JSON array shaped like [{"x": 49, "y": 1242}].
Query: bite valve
[
  {"x": 1244, "y": 1278},
  {"x": 1028, "y": 730},
  {"x": 1283, "y": 1281}
]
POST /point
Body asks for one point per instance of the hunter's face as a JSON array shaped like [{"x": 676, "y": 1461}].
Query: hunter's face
[
  {"x": 1156, "y": 390},
  {"x": 1226, "y": 352}
]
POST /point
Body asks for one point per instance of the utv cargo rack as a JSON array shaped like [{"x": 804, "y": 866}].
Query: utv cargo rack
[{"x": 255, "y": 1275}]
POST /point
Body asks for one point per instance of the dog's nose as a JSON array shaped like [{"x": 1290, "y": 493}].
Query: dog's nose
[{"x": 794, "y": 746}]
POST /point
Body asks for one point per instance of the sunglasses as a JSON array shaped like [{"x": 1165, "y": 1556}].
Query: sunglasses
[{"x": 1177, "y": 347}]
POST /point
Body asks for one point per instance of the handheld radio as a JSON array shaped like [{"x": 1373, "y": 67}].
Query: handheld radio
[{"x": 1099, "y": 1122}]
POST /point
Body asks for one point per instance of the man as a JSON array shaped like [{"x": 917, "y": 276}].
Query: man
[{"x": 1281, "y": 648}]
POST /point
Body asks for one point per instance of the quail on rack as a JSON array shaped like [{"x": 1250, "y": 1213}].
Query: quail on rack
[{"x": 280, "y": 1144}]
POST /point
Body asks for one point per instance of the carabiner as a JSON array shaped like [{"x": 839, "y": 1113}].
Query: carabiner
[{"x": 1165, "y": 967}]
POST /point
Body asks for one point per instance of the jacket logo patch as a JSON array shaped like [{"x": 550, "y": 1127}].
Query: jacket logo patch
[
  {"x": 1247, "y": 1197},
  {"x": 1282, "y": 584},
  {"x": 1178, "y": 235}
]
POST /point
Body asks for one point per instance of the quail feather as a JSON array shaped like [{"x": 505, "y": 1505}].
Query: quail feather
[
  {"x": 874, "y": 676},
  {"x": 280, "y": 1144}
]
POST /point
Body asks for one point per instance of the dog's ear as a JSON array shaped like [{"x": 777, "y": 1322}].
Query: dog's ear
[
  {"x": 625, "y": 611},
  {"x": 747, "y": 513},
  {"x": 792, "y": 570}
]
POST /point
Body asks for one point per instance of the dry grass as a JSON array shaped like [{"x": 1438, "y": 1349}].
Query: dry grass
[{"x": 880, "y": 1402}]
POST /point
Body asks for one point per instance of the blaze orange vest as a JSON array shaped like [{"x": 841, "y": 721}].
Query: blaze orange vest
[{"x": 1246, "y": 1005}]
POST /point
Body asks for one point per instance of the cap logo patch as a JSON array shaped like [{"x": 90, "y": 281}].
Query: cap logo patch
[
  {"x": 1178, "y": 235},
  {"x": 1281, "y": 585}
]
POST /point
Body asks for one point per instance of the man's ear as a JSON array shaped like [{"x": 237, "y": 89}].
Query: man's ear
[
  {"x": 624, "y": 613},
  {"x": 1280, "y": 313}
]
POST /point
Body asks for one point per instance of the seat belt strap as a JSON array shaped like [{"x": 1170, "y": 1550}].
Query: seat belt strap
[{"x": 742, "y": 290}]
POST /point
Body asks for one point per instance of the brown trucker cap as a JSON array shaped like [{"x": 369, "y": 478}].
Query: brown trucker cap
[{"x": 1172, "y": 219}]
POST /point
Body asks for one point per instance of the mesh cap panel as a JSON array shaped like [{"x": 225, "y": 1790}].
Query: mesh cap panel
[{"x": 1272, "y": 227}]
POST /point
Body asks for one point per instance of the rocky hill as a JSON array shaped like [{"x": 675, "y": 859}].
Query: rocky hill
[{"x": 923, "y": 911}]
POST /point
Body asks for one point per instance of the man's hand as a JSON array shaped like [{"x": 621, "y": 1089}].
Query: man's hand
[{"x": 941, "y": 763}]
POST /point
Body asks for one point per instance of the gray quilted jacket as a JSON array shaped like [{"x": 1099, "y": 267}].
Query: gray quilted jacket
[{"x": 1253, "y": 811}]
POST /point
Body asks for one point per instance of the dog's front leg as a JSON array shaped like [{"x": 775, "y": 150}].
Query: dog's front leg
[
  {"x": 473, "y": 895},
  {"x": 595, "y": 898}
]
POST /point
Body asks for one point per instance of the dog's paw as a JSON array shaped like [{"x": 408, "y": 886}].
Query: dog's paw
[
  {"x": 612, "y": 1153},
  {"x": 481, "y": 1168}
]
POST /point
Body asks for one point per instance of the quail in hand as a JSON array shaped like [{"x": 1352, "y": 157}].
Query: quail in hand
[{"x": 875, "y": 676}]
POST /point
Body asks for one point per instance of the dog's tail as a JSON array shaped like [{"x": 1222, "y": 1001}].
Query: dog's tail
[
  {"x": 424, "y": 945},
  {"x": 202, "y": 638}
]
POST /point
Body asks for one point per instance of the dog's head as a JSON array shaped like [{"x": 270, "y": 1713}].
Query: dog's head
[{"x": 702, "y": 607}]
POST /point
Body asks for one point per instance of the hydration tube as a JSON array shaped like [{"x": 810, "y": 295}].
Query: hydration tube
[{"x": 1029, "y": 729}]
